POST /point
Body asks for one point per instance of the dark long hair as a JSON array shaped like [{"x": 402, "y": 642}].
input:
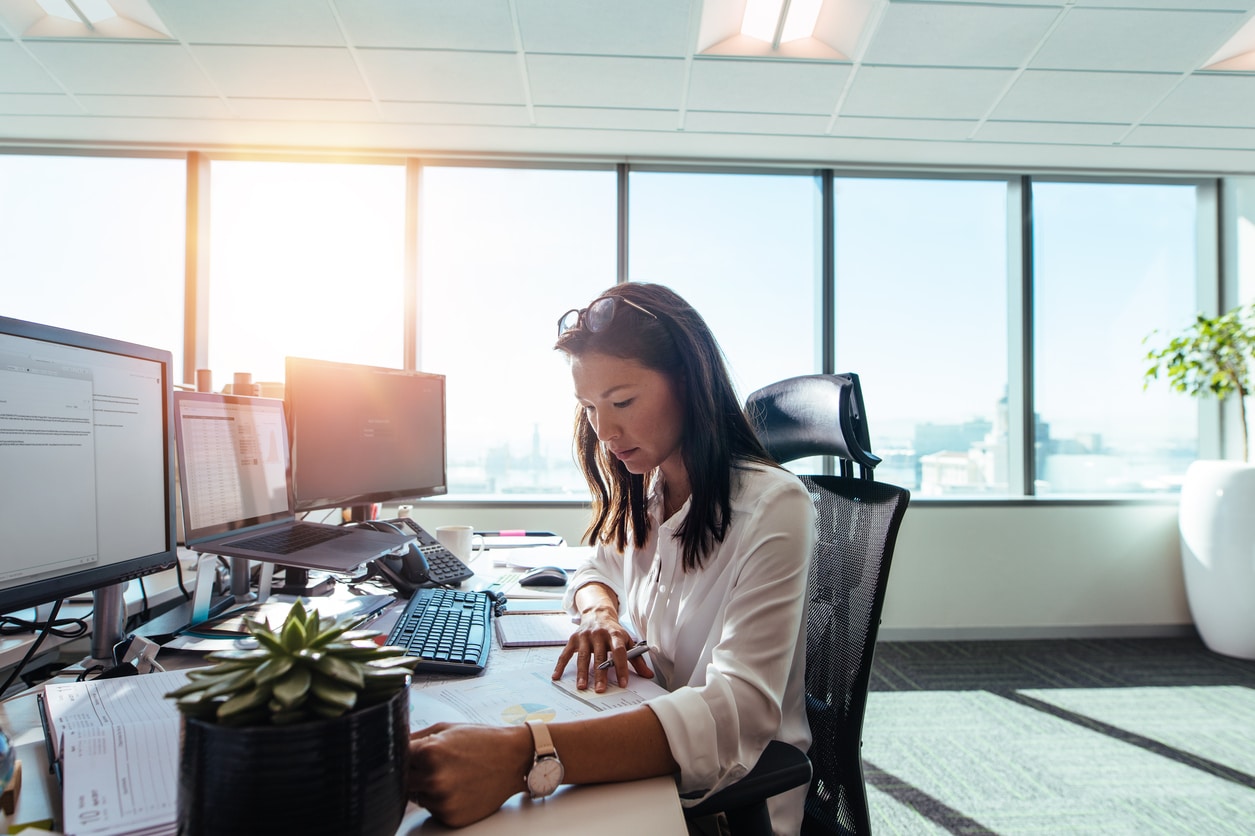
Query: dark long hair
[{"x": 716, "y": 437}]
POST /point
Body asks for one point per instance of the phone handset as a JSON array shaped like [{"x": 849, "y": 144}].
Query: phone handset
[{"x": 407, "y": 571}]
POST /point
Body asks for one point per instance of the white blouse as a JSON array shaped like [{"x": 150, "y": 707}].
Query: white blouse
[{"x": 728, "y": 640}]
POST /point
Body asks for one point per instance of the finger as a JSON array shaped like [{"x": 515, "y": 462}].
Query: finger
[
  {"x": 581, "y": 669},
  {"x": 642, "y": 667},
  {"x": 563, "y": 659}
]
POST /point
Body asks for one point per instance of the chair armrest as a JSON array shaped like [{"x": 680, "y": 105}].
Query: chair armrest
[{"x": 781, "y": 767}]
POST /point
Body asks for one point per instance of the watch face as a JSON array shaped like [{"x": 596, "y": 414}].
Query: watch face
[{"x": 545, "y": 776}]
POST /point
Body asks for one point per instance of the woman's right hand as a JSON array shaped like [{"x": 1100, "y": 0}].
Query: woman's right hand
[{"x": 599, "y": 636}]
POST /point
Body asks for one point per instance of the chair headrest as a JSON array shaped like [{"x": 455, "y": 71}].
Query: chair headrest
[{"x": 812, "y": 415}]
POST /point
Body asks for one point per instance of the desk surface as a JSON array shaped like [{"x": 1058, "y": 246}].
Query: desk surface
[{"x": 651, "y": 806}]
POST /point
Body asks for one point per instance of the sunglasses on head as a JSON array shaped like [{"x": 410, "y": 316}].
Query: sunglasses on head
[{"x": 597, "y": 315}]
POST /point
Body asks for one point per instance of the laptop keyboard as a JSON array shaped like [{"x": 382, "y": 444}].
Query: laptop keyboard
[
  {"x": 446, "y": 629},
  {"x": 290, "y": 539}
]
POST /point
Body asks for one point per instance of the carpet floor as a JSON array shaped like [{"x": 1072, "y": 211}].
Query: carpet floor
[{"x": 1128, "y": 736}]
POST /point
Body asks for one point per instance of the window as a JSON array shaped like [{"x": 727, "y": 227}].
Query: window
[
  {"x": 73, "y": 230},
  {"x": 306, "y": 259},
  {"x": 1112, "y": 262},
  {"x": 744, "y": 250},
  {"x": 921, "y": 317},
  {"x": 503, "y": 254}
]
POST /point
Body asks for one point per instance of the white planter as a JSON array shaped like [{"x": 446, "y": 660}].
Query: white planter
[{"x": 1217, "y": 523}]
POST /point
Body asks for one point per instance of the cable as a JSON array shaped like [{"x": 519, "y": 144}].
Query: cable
[
  {"x": 65, "y": 628},
  {"x": 30, "y": 653}
]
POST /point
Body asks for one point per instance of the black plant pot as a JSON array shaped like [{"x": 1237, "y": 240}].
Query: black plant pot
[{"x": 341, "y": 776}]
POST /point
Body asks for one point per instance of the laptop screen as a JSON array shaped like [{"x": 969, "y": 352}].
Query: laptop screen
[{"x": 233, "y": 462}]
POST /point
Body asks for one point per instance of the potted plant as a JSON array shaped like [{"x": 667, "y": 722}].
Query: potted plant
[
  {"x": 1216, "y": 356},
  {"x": 306, "y": 733}
]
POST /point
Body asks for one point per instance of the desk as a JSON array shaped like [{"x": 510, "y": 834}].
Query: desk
[{"x": 650, "y": 806}]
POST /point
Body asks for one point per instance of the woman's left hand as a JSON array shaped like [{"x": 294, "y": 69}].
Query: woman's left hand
[{"x": 463, "y": 773}]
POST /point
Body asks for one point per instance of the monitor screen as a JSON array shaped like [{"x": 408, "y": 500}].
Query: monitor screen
[
  {"x": 87, "y": 485},
  {"x": 364, "y": 434}
]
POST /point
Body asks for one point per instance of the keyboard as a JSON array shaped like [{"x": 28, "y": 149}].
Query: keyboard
[
  {"x": 290, "y": 539},
  {"x": 443, "y": 566},
  {"x": 447, "y": 629}
]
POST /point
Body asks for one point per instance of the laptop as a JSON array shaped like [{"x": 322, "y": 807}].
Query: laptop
[{"x": 236, "y": 481}]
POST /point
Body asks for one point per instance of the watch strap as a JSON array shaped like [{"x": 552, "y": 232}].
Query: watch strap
[{"x": 541, "y": 739}]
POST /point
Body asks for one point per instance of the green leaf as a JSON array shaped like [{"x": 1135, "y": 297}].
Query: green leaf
[
  {"x": 244, "y": 703},
  {"x": 291, "y": 689},
  {"x": 333, "y": 692},
  {"x": 340, "y": 670}
]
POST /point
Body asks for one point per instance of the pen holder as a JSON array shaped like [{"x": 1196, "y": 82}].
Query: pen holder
[{"x": 339, "y": 776}]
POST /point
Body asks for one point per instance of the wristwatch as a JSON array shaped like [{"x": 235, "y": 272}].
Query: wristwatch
[{"x": 546, "y": 772}]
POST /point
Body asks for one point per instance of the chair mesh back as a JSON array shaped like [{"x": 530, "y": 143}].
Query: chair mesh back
[{"x": 857, "y": 523}]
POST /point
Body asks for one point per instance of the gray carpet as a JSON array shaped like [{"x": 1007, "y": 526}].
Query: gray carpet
[{"x": 1130, "y": 736}]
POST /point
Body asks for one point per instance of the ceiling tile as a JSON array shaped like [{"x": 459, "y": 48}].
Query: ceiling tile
[
  {"x": 1190, "y": 5},
  {"x": 36, "y": 104},
  {"x": 169, "y": 107},
  {"x": 305, "y": 110},
  {"x": 19, "y": 73},
  {"x": 454, "y": 114},
  {"x": 1053, "y": 96},
  {"x": 1081, "y": 133},
  {"x": 282, "y": 72},
  {"x": 1189, "y": 137},
  {"x": 1208, "y": 99},
  {"x": 441, "y": 76},
  {"x": 123, "y": 68},
  {"x": 464, "y": 24},
  {"x": 766, "y": 86},
  {"x": 603, "y": 118},
  {"x": 953, "y": 34},
  {"x": 583, "y": 81},
  {"x": 945, "y": 130},
  {"x": 924, "y": 92},
  {"x": 287, "y": 22},
  {"x": 754, "y": 123},
  {"x": 1135, "y": 39},
  {"x": 655, "y": 28}
]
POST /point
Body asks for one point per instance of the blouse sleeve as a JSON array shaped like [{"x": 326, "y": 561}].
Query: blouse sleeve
[{"x": 605, "y": 566}]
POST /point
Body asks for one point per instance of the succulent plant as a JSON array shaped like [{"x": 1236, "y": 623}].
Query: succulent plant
[{"x": 310, "y": 668}]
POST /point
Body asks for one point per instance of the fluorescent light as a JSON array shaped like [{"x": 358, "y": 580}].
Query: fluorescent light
[
  {"x": 800, "y": 22},
  {"x": 780, "y": 21},
  {"x": 761, "y": 17},
  {"x": 87, "y": 11}
]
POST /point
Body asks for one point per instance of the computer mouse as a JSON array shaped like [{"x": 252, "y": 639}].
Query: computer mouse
[{"x": 544, "y": 576}]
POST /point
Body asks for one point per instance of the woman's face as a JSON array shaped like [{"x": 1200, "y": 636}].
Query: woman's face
[{"x": 635, "y": 411}]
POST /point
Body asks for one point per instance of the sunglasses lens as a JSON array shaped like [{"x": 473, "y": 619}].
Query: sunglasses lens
[
  {"x": 569, "y": 320},
  {"x": 599, "y": 314}
]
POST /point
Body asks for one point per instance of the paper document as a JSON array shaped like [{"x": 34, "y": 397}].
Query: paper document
[
  {"x": 117, "y": 741},
  {"x": 514, "y": 698},
  {"x": 569, "y": 558}
]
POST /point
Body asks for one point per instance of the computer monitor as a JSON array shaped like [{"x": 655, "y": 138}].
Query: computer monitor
[
  {"x": 364, "y": 434},
  {"x": 87, "y": 491}
]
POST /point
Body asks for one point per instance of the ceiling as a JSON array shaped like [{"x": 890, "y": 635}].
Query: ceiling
[{"x": 1030, "y": 85}]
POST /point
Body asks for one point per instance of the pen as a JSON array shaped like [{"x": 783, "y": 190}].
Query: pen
[{"x": 638, "y": 649}]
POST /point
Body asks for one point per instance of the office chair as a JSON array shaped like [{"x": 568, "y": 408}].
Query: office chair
[{"x": 857, "y": 521}]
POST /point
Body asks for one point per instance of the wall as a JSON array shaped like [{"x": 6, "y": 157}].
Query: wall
[{"x": 1030, "y": 570}]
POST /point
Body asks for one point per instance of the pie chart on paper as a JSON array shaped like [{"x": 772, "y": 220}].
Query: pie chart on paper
[{"x": 516, "y": 715}]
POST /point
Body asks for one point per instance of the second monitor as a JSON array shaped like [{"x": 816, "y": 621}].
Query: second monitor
[{"x": 364, "y": 434}]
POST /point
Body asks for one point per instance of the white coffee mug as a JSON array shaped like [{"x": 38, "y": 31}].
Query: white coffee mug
[{"x": 461, "y": 540}]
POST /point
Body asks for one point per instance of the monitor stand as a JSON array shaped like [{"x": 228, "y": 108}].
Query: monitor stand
[
  {"x": 108, "y": 622},
  {"x": 298, "y": 581}
]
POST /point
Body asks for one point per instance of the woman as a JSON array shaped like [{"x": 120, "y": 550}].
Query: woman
[{"x": 702, "y": 548}]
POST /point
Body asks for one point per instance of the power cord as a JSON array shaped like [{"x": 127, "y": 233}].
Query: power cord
[{"x": 43, "y": 634}]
